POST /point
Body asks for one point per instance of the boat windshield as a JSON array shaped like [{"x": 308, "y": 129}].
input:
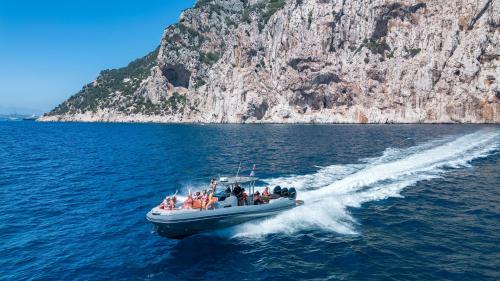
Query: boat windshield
[{"x": 221, "y": 193}]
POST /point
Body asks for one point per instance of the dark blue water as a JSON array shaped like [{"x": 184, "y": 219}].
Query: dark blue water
[{"x": 392, "y": 202}]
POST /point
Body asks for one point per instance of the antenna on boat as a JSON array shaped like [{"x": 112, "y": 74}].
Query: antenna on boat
[
  {"x": 239, "y": 167},
  {"x": 252, "y": 173}
]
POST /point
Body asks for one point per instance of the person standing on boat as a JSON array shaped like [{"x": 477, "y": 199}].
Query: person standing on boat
[
  {"x": 244, "y": 198},
  {"x": 211, "y": 200},
  {"x": 238, "y": 192},
  {"x": 213, "y": 185}
]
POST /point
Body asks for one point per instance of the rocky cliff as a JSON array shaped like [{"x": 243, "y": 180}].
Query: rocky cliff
[{"x": 311, "y": 61}]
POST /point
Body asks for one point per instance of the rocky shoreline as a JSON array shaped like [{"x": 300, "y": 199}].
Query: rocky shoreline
[{"x": 319, "y": 118}]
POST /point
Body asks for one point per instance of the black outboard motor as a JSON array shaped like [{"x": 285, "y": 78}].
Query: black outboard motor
[
  {"x": 284, "y": 192},
  {"x": 292, "y": 193},
  {"x": 277, "y": 190}
]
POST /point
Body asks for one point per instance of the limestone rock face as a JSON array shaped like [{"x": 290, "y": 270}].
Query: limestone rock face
[{"x": 309, "y": 61}]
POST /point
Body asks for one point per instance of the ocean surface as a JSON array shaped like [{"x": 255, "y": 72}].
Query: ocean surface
[{"x": 382, "y": 202}]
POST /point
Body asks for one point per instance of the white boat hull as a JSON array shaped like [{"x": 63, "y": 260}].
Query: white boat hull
[{"x": 182, "y": 223}]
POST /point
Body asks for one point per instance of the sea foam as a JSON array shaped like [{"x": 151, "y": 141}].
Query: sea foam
[{"x": 330, "y": 191}]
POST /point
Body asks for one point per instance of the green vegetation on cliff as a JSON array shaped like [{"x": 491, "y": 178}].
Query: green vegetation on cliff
[
  {"x": 189, "y": 50},
  {"x": 125, "y": 80},
  {"x": 264, "y": 10}
]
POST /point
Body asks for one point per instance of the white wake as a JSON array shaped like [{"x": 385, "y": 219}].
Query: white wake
[{"x": 331, "y": 190}]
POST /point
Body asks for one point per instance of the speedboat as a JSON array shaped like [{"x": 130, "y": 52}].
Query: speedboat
[{"x": 229, "y": 210}]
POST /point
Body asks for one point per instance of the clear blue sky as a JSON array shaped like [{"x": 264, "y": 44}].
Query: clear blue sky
[{"x": 50, "y": 49}]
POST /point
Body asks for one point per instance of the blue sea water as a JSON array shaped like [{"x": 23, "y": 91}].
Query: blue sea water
[{"x": 383, "y": 202}]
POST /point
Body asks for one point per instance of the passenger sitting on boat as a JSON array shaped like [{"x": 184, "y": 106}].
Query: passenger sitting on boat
[
  {"x": 188, "y": 204},
  {"x": 197, "y": 203},
  {"x": 266, "y": 191},
  {"x": 266, "y": 195},
  {"x": 204, "y": 200},
  {"x": 165, "y": 203},
  {"x": 257, "y": 200},
  {"x": 171, "y": 203}
]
